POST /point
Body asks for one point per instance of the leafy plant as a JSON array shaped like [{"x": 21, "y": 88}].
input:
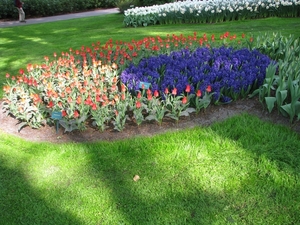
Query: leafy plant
[{"x": 281, "y": 85}]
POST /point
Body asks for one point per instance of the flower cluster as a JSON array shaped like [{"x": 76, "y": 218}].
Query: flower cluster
[
  {"x": 229, "y": 72},
  {"x": 210, "y": 11},
  {"x": 123, "y": 53},
  {"x": 78, "y": 91}
]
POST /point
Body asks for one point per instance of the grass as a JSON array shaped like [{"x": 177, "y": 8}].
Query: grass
[
  {"x": 229, "y": 173},
  {"x": 240, "y": 171}
]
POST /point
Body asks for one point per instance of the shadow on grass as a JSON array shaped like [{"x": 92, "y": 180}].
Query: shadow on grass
[
  {"x": 169, "y": 192},
  {"x": 158, "y": 196},
  {"x": 226, "y": 179},
  {"x": 21, "y": 204}
]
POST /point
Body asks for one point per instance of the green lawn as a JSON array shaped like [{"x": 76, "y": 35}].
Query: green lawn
[
  {"x": 240, "y": 171},
  {"x": 229, "y": 173}
]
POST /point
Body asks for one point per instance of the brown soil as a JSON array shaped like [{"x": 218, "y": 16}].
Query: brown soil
[{"x": 212, "y": 114}]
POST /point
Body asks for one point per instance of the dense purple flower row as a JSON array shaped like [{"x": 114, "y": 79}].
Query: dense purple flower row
[{"x": 228, "y": 71}]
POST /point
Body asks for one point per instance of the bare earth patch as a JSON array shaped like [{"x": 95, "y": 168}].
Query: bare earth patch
[{"x": 212, "y": 114}]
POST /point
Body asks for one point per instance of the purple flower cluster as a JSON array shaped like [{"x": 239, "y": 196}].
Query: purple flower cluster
[{"x": 229, "y": 72}]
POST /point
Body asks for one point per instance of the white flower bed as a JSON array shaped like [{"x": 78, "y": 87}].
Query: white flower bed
[{"x": 210, "y": 11}]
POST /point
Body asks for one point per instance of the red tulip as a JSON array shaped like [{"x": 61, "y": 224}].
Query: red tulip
[
  {"x": 156, "y": 94},
  {"x": 208, "y": 89},
  {"x": 174, "y": 91},
  {"x": 94, "y": 106},
  {"x": 199, "y": 93},
  {"x": 166, "y": 91},
  {"x": 184, "y": 100},
  {"x": 139, "y": 95},
  {"x": 123, "y": 87},
  {"x": 138, "y": 104},
  {"x": 64, "y": 113},
  {"x": 188, "y": 89},
  {"x": 149, "y": 92},
  {"x": 21, "y": 71},
  {"x": 123, "y": 97},
  {"x": 76, "y": 114},
  {"x": 50, "y": 104}
]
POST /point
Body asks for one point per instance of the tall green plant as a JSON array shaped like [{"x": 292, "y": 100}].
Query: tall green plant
[{"x": 281, "y": 85}]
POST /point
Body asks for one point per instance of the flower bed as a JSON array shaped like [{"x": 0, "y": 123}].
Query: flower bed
[
  {"x": 82, "y": 89},
  {"x": 185, "y": 75},
  {"x": 210, "y": 11}
]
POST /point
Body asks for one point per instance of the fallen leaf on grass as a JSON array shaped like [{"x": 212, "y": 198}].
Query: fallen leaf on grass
[{"x": 136, "y": 178}]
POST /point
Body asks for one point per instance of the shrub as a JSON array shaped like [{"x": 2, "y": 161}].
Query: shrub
[
  {"x": 126, "y": 4},
  {"x": 51, "y": 7},
  {"x": 153, "y": 2},
  {"x": 7, "y": 9}
]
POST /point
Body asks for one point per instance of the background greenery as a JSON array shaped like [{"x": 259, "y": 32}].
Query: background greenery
[{"x": 35, "y": 8}]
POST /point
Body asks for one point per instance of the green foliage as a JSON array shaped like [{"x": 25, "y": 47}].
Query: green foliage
[
  {"x": 7, "y": 9},
  {"x": 154, "y": 2},
  {"x": 281, "y": 85},
  {"x": 126, "y": 4},
  {"x": 51, "y": 7}
]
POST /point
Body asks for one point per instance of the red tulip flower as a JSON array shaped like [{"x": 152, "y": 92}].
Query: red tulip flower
[
  {"x": 174, "y": 91},
  {"x": 76, "y": 114},
  {"x": 139, "y": 95},
  {"x": 184, "y": 100},
  {"x": 64, "y": 113},
  {"x": 199, "y": 93},
  {"x": 94, "y": 106},
  {"x": 138, "y": 104},
  {"x": 208, "y": 89},
  {"x": 50, "y": 104},
  {"x": 149, "y": 92},
  {"x": 188, "y": 89}
]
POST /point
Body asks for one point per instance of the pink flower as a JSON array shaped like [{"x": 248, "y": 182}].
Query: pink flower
[
  {"x": 208, "y": 89},
  {"x": 174, "y": 91},
  {"x": 138, "y": 104},
  {"x": 184, "y": 100},
  {"x": 76, "y": 114},
  {"x": 188, "y": 89},
  {"x": 199, "y": 93}
]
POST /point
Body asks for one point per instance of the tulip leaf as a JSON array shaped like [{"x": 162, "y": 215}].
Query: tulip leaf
[
  {"x": 280, "y": 97},
  {"x": 150, "y": 117},
  {"x": 184, "y": 113},
  {"x": 270, "y": 101}
]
